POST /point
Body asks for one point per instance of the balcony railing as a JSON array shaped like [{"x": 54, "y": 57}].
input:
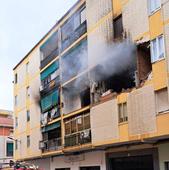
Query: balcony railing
[
  {"x": 74, "y": 36},
  {"x": 50, "y": 145},
  {"x": 49, "y": 58},
  {"x": 79, "y": 138},
  {"x": 53, "y": 84}
]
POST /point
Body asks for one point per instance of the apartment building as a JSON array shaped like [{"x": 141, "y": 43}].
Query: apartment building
[
  {"x": 6, "y": 144},
  {"x": 93, "y": 93}
]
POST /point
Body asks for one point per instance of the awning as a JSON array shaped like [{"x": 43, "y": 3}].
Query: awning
[
  {"x": 50, "y": 70},
  {"x": 51, "y": 100},
  {"x": 51, "y": 127}
]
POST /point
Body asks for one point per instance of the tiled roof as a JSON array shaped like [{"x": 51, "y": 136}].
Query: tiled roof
[{"x": 6, "y": 121}]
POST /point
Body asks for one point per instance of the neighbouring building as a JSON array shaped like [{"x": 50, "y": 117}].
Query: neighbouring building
[
  {"x": 6, "y": 144},
  {"x": 92, "y": 94}
]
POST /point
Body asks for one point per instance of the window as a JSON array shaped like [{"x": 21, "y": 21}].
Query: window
[
  {"x": 27, "y": 67},
  {"x": 122, "y": 109},
  {"x": 9, "y": 149},
  {"x": 154, "y": 5},
  {"x": 162, "y": 103},
  {"x": 16, "y": 100},
  {"x": 28, "y": 141},
  {"x": 28, "y": 115},
  {"x": 16, "y": 144},
  {"x": 28, "y": 91},
  {"x": 16, "y": 122},
  {"x": 157, "y": 49},
  {"x": 83, "y": 15},
  {"x": 166, "y": 165},
  {"x": 16, "y": 78},
  {"x": 118, "y": 27}
]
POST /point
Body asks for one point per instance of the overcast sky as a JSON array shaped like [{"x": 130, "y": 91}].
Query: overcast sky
[{"x": 22, "y": 24}]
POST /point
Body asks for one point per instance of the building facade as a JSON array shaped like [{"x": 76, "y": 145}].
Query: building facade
[
  {"x": 6, "y": 144},
  {"x": 93, "y": 93}
]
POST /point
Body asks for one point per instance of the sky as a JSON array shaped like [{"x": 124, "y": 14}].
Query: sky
[{"x": 22, "y": 24}]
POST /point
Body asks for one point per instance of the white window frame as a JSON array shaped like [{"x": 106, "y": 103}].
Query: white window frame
[
  {"x": 157, "y": 56},
  {"x": 156, "y": 8}
]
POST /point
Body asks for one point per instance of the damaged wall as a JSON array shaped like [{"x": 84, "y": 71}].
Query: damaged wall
[
  {"x": 104, "y": 121},
  {"x": 141, "y": 111},
  {"x": 135, "y": 18}
]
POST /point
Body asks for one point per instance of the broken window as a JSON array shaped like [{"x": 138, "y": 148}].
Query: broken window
[
  {"x": 118, "y": 27},
  {"x": 162, "y": 102},
  {"x": 144, "y": 65},
  {"x": 122, "y": 110},
  {"x": 102, "y": 84}
]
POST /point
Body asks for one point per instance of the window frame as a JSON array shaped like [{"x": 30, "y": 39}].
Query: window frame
[
  {"x": 151, "y": 12},
  {"x": 28, "y": 115},
  {"x": 7, "y": 153},
  {"x": 156, "y": 42},
  {"x": 122, "y": 115},
  {"x": 166, "y": 165},
  {"x": 28, "y": 141}
]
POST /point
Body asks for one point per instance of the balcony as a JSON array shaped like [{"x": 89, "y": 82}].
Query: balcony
[
  {"x": 50, "y": 145},
  {"x": 49, "y": 58},
  {"x": 80, "y": 138},
  {"x": 74, "y": 36},
  {"x": 44, "y": 89}
]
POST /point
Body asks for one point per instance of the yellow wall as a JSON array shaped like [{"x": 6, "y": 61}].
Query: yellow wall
[
  {"x": 123, "y": 132},
  {"x": 163, "y": 124},
  {"x": 156, "y": 24},
  {"x": 160, "y": 74},
  {"x": 116, "y": 8}
]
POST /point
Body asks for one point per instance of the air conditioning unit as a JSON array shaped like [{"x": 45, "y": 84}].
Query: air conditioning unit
[{"x": 42, "y": 145}]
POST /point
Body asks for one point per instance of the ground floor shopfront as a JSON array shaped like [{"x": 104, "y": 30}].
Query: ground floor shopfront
[{"x": 124, "y": 158}]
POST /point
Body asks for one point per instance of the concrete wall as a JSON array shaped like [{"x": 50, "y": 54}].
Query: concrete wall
[
  {"x": 96, "y": 158},
  {"x": 104, "y": 122},
  {"x": 31, "y": 128},
  {"x": 135, "y": 18},
  {"x": 163, "y": 150}
]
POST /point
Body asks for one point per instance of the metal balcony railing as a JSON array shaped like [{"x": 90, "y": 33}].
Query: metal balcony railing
[
  {"x": 49, "y": 58},
  {"x": 53, "y": 84},
  {"x": 79, "y": 138},
  {"x": 51, "y": 145}
]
